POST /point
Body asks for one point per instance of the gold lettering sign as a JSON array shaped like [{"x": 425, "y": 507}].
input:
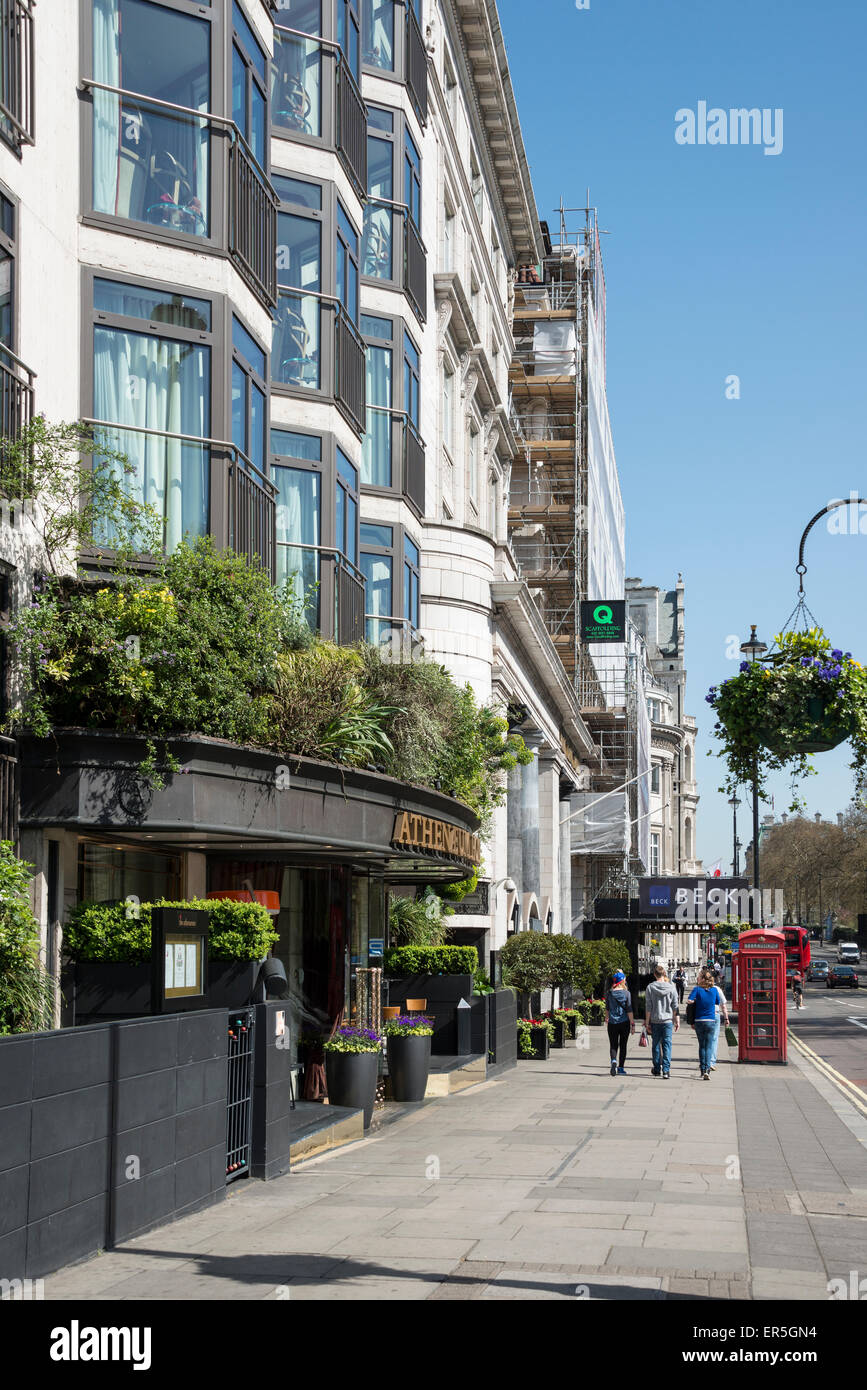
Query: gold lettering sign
[{"x": 428, "y": 833}]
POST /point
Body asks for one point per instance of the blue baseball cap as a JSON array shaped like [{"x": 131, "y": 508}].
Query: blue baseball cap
[{"x": 619, "y": 975}]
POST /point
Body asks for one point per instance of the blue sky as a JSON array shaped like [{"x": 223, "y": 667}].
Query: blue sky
[{"x": 721, "y": 261}]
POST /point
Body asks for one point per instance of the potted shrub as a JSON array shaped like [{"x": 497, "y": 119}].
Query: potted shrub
[
  {"x": 351, "y": 1068},
  {"x": 535, "y": 1036},
  {"x": 805, "y": 698},
  {"x": 529, "y": 961},
  {"x": 408, "y": 1044},
  {"x": 443, "y": 975},
  {"x": 570, "y": 1018},
  {"x": 559, "y": 1026}
]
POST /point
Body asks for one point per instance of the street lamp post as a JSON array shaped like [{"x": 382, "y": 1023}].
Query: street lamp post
[
  {"x": 734, "y": 802},
  {"x": 753, "y": 649}
]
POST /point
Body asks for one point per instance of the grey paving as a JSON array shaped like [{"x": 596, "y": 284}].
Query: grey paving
[{"x": 554, "y": 1181}]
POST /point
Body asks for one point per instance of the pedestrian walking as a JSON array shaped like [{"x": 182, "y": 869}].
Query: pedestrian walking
[
  {"x": 620, "y": 1021},
  {"x": 680, "y": 983},
  {"x": 661, "y": 1012},
  {"x": 702, "y": 1015},
  {"x": 721, "y": 1013}
]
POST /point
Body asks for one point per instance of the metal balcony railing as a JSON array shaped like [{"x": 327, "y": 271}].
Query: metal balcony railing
[
  {"x": 416, "y": 66},
  {"x": 335, "y": 604},
  {"x": 17, "y": 73},
  {"x": 349, "y": 372},
  {"x": 9, "y": 787},
  {"x": 350, "y": 126},
  {"x": 16, "y": 400},
  {"x": 235, "y": 503},
  {"x": 413, "y": 466},
  {"x": 140, "y": 177}
]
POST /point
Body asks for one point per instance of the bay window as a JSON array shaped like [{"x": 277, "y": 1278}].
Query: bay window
[
  {"x": 249, "y": 84},
  {"x": 393, "y": 455},
  {"x": 392, "y": 602},
  {"x": 299, "y": 517},
  {"x": 376, "y": 466},
  {"x": 297, "y": 347},
  {"x": 249, "y": 395},
  {"x": 154, "y": 387},
  {"x": 378, "y": 34},
  {"x": 296, "y": 73},
  {"x": 393, "y": 249}
]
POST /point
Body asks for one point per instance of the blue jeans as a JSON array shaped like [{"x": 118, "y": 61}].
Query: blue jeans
[
  {"x": 704, "y": 1028},
  {"x": 661, "y": 1035},
  {"x": 715, "y": 1044}
]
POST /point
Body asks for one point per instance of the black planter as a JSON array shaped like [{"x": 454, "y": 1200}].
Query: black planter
[
  {"x": 560, "y": 1033},
  {"x": 351, "y": 1080},
  {"x": 443, "y": 994},
  {"x": 408, "y": 1067},
  {"x": 571, "y": 1027},
  {"x": 116, "y": 989},
  {"x": 540, "y": 1041}
]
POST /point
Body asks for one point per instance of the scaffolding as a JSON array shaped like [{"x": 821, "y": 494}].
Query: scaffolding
[{"x": 557, "y": 305}]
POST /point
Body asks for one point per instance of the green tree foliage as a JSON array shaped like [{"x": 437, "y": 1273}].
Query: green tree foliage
[
  {"x": 529, "y": 961},
  {"x": 431, "y": 960},
  {"x": 26, "y": 990},
  {"x": 418, "y": 921}
]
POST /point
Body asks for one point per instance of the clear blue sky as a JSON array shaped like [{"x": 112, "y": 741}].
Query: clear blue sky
[{"x": 721, "y": 260}]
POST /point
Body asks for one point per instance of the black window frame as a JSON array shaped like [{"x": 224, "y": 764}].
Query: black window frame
[
  {"x": 397, "y": 137},
  {"x": 396, "y": 552},
  {"x": 253, "y": 80},
  {"x": 326, "y": 216},
  {"x": 400, "y": 421},
  {"x": 237, "y": 358},
  {"x": 326, "y": 467}
]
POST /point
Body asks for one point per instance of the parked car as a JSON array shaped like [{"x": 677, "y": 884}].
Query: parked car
[
  {"x": 818, "y": 970},
  {"x": 842, "y": 975}
]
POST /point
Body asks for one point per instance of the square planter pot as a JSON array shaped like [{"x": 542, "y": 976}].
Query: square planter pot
[
  {"x": 352, "y": 1080},
  {"x": 116, "y": 989},
  {"x": 408, "y": 1067},
  {"x": 443, "y": 994},
  {"x": 560, "y": 1033},
  {"x": 540, "y": 1041},
  {"x": 571, "y": 1028}
]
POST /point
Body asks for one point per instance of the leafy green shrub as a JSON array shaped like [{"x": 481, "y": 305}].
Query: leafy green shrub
[
  {"x": 525, "y": 1038},
  {"x": 408, "y": 1026},
  {"x": 456, "y": 892},
  {"x": 26, "y": 989},
  {"x": 592, "y": 1011},
  {"x": 431, "y": 960},
  {"x": 844, "y": 934},
  {"x": 323, "y": 710},
  {"x": 418, "y": 921},
  {"x": 597, "y": 961},
  {"x": 97, "y": 932},
  {"x": 352, "y": 1039},
  {"x": 481, "y": 981}
]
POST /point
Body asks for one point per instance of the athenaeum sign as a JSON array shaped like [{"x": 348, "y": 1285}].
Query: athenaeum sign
[{"x": 436, "y": 836}]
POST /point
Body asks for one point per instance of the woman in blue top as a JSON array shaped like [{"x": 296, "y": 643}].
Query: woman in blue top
[{"x": 704, "y": 996}]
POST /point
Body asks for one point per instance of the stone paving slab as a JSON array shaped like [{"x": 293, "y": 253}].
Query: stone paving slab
[{"x": 554, "y": 1179}]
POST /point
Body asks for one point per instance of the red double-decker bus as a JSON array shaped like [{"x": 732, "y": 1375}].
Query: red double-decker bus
[{"x": 797, "y": 948}]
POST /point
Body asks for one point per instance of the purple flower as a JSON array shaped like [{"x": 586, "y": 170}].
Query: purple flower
[
  {"x": 745, "y": 666},
  {"x": 841, "y": 694},
  {"x": 848, "y": 656},
  {"x": 837, "y": 654},
  {"x": 805, "y": 661}
]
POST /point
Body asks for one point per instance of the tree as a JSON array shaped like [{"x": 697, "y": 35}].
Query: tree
[
  {"x": 75, "y": 483},
  {"x": 529, "y": 962},
  {"x": 26, "y": 989}
]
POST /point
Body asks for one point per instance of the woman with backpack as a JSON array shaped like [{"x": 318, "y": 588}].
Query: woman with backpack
[
  {"x": 701, "y": 1013},
  {"x": 619, "y": 1020}
]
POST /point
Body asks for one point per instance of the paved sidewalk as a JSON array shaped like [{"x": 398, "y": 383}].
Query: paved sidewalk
[{"x": 553, "y": 1181}]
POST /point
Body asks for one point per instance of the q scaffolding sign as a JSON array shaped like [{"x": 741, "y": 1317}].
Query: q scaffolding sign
[{"x": 603, "y": 620}]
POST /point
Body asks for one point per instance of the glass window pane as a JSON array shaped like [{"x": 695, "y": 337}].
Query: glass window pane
[
  {"x": 378, "y": 119},
  {"x": 374, "y": 534},
  {"x": 298, "y": 530},
  {"x": 244, "y": 343},
  {"x": 296, "y": 82},
  {"x": 411, "y": 551},
  {"x": 377, "y": 571},
  {"x": 348, "y": 231},
  {"x": 163, "y": 306},
  {"x": 6, "y": 327},
  {"x": 374, "y": 327},
  {"x": 305, "y": 15},
  {"x": 239, "y": 407},
  {"x": 7, "y": 216},
  {"x": 351, "y": 548},
  {"x": 239, "y": 90},
  {"x": 256, "y": 134},
  {"x": 156, "y": 383},
  {"x": 376, "y": 465},
  {"x": 299, "y": 446},
  {"x": 298, "y": 191},
  {"x": 151, "y": 165},
  {"x": 258, "y": 421},
  {"x": 377, "y": 27},
  {"x": 297, "y": 329},
  {"x": 346, "y": 470},
  {"x": 248, "y": 40}
]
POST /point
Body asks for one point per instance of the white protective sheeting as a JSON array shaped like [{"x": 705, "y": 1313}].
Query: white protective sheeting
[
  {"x": 554, "y": 348},
  {"x": 604, "y": 828}
]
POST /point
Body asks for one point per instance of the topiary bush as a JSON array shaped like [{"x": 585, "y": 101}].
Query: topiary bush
[
  {"x": 431, "y": 960},
  {"x": 119, "y": 933}
]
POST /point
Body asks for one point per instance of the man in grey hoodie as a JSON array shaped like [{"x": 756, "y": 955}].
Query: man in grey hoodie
[{"x": 661, "y": 1013}]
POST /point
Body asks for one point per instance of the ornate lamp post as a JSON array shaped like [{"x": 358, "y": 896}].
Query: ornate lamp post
[
  {"x": 753, "y": 649},
  {"x": 734, "y": 802}
]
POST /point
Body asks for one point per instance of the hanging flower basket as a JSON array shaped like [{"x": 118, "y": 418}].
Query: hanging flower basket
[{"x": 805, "y": 698}]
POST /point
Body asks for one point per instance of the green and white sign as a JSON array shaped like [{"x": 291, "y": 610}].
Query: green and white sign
[{"x": 603, "y": 620}]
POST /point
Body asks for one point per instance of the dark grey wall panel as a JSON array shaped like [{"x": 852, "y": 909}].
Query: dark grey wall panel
[
  {"x": 66, "y": 1236},
  {"x": 14, "y": 1136},
  {"x": 201, "y": 1083},
  {"x": 64, "y": 1121},
  {"x": 70, "y": 1060},
  {"x": 146, "y": 1046},
  {"x": 14, "y": 1185},
  {"x": 152, "y": 1145},
  {"x": 199, "y": 1130},
  {"x": 140, "y": 1205},
  {"x": 68, "y": 1178},
  {"x": 142, "y": 1099},
  {"x": 16, "y": 1071}
]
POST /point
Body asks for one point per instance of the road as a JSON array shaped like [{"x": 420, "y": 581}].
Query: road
[{"x": 833, "y": 1022}]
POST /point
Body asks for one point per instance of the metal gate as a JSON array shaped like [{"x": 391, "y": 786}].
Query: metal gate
[{"x": 239, "y": 1123}]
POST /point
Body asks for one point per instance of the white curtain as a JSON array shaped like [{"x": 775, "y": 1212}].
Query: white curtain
[
  {"x": 106, "y": 106},
  {"x": 140, "y": 381},
  {"x": 298, "y": 522},
  {"x": 376, "y": 453}
]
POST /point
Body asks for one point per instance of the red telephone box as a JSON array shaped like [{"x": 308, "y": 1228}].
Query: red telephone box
[{"x": 759, "y": 993}]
